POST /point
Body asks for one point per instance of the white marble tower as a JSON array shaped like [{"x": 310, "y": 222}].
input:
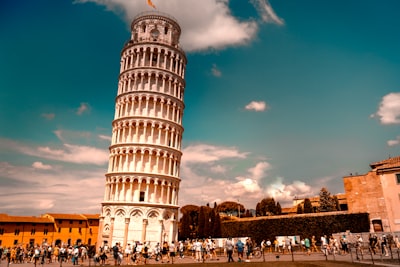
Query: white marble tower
[{"x": 142, "y": 182}]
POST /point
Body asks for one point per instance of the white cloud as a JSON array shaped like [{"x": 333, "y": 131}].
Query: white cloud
[
  {"x": 208, "y": 153},
  {"x": 105, "y": 137},
  {"x": 202, "y": 184},
  {"x": 41, "y": 166},
  {"x": 285, "y": 193},
  {"x": 215, "y": 71},
  {"x": 256, "y": 106},
  {"x": 218, "y": 169},
  {"x": 211, "y": 26},
  {"x": 394, "y": 142},
  {"x": 389, "y": 109},
  {"x": 72, "y": 153},
  {"x": 266, "y": 12},
  {"x": 84, "y": 107},
  {"x": 206, "y": 172},
  {"x": 259, "y": 171},
  {"x": 246, "y": 185},
  {"x": 73, "y": 191},
  {"x": 68, "y": 136}
]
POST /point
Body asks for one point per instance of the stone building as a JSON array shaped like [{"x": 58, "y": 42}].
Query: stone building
[
  {"x": 142, "y": 182},
  {"x": 73, "y": 229},
  {"x": 377, "y": 193},
  {"x": 50, "y": 228}
]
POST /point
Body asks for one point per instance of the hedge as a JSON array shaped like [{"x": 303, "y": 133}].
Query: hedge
[{"x": 318, "y": 224}]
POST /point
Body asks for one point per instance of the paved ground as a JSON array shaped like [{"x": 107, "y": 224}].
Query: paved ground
[{"x": 268, "y": 257}]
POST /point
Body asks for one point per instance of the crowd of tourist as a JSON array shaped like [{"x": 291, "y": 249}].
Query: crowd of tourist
[
  {"x": 199, "y": 250},
  {"x": 139, "y": 253},
  {"x": 41, "y": 254}
]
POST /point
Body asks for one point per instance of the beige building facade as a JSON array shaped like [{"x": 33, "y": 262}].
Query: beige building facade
[
  {"x": 142, "y": 182},
  {"x": 377, "y": 193},
  {"x": 56, "y": 229}
]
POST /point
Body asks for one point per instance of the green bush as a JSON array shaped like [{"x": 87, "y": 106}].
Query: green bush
[{"x": 304, "y": 226}]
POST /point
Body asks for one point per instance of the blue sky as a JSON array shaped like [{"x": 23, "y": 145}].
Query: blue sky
[{"x": 282, "y": 97}]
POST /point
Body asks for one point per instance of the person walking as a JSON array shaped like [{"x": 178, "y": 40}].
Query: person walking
[
  {"x": 240, "y": 248},
  {"x": 172, "y": 251},
  {"x": 314, "y": 244},
  {"x": 115, "y": 250},
  {"x": 229, "y": 249},
  {"x": 198, "y": 246},
  {"x": 307, "y": 245}
]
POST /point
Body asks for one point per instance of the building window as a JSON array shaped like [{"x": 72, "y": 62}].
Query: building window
[
  {"x": 80, "y": 230},
  {"x": 398, "y": 178},
  {"x": 15, "y": 242},
  {"x": 16, "y": 232},
  {"x": 45, "y": 231},
  {"x": 70, "y": 222},
  {"x": 141, "y": 197},
  {"x": 59, "y": 230},
  {"x": 70, "y": 229},
  {"x": 80, "y": 222},
  {"x": 33, "y": 231},
  {"x": 1, "y": 231},
  {"x": 60, "y": 221}
]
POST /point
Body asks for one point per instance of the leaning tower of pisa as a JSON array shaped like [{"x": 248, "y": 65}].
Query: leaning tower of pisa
[{"x": 142, "y": 182}]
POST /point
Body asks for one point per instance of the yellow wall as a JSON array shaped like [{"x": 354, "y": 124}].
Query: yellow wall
[
  {"x": 76, "y": 231},
  {"x": 48, "y": 230},
  {"x": 24, "y": 233}
]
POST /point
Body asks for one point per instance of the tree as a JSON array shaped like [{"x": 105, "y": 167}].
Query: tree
[
  {"x": 267, "y": 206},
  {"x": 230, "y": 207},
  {"x": 336, "y": 203},
  {"x": 308, "y": 208},
  {"x": 278, "y": 209},
  {"x": 258, "y": 210},
  {"x": 189, "y": 221},
  {"x": 207, "y": 221},
  {"x": 326, "y": 202},
  {"x": 299, "y": 209},
  {"x": 201, "y": 222},
  {"x": 247, "y": 214},
  {"x": 185, "y": 226},
  {"x": 217, "y": 225}
]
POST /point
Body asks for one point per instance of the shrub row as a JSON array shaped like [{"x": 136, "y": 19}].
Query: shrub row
[{"x": 263, "y": 228}]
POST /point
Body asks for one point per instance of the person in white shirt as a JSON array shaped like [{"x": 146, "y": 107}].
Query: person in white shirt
[{"x": 128, "y": 252}]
